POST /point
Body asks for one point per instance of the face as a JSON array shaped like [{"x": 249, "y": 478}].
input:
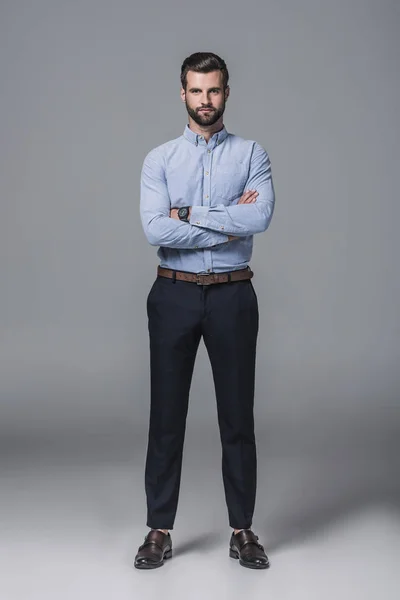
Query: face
[{"x": 205, "y": 90}]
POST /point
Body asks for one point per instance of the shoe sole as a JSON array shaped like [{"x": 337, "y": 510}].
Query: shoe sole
[
  {"x": 154, "y": 566},
  {"x": 234, "y": 554}
]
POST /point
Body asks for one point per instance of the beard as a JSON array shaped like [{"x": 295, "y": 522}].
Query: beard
[{"x": 205, "y": 118}]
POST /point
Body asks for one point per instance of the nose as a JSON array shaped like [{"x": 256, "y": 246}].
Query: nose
[{"x": 205, "y": 100}]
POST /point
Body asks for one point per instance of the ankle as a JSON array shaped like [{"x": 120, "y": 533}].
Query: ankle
[
  {"x": 235, "y": 531},
  {"x": 163, "y": 530}
]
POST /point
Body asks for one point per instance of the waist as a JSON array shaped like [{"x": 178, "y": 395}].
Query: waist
[
  {"x": 205, "y": 278},
  {"x": 234, "y": 255}
]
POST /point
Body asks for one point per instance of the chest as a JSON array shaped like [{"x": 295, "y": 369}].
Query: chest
[{"x": 207, "y": 179}]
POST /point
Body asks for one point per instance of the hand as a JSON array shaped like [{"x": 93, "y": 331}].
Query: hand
[
  {"x": 174, "y": 213},
  {"x": 248, "y": 197}
]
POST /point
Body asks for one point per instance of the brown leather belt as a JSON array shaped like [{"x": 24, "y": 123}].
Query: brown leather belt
[{"x": 204, "y": 278}]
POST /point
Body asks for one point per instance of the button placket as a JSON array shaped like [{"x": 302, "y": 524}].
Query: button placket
[
  {"x": 207, "y": 178},
  {"x": 206, "y": 202}
]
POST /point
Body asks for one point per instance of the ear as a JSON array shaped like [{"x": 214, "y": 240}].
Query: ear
[
  {"x": 227, "y": 91},
  {"x": 183, "y": 94}
]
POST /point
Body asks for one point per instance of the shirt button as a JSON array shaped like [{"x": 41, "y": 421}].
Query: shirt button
[
  {"x": 197, "y": 223},
  {"x": 209, "y": 151},
  {"x": 206, "y": 172},
  {"x": 196, "y": 246},
  {"x": 207, "y": 196},
  {"x": 222, "y": 226},
  {"x": 208, "y": 270}
]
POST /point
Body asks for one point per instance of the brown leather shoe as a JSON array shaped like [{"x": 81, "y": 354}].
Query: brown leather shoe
[
  {"x": 157, "y": 546},
  {"x": 244, "y": 546}
]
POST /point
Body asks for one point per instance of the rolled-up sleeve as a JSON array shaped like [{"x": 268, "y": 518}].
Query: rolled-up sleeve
[
  {"x": 155, "y": 205},
  {"x": 243, "y": 219}
]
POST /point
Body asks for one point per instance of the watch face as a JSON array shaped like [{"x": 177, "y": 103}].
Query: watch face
[{"x": 183, "y": 212}]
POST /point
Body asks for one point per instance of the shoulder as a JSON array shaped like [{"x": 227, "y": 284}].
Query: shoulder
[
  {"x": 250, "y": 148},
  {"x": 160, "y": 153},
  {"x": 244, "y": 144}
]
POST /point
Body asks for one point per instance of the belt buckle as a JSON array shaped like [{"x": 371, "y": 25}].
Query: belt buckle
[{"x": 201, "y": 279}]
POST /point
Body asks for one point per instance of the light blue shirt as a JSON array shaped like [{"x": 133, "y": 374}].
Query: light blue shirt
[{"x": 211, "y": 177}]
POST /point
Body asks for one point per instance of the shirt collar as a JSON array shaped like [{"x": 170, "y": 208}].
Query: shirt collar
[{"x": 196, "y": 138}]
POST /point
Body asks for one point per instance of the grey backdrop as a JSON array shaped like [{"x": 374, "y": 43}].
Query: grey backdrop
[{"x": 87, "y": 89}]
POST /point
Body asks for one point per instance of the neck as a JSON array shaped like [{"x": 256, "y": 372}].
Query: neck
[{"x": 208, "y": 130}]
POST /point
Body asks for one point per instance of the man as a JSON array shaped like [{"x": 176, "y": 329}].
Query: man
[{"x": 203, "y": 197}]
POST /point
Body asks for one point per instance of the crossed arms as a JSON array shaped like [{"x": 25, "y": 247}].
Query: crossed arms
[{"x": 206, "y": 222}]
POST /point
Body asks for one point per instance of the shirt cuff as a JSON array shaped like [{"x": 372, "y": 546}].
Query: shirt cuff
[{"x": 198, "y": 216}]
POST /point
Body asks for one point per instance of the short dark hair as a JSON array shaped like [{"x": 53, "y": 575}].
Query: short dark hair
[{"x": 204, "y": 62}]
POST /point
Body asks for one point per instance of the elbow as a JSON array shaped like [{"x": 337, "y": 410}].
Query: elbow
[
  {"x": 152, "y": 236},
  {"x": 152, "y": 239},
  {"x": 152, "y": 231},
  {"x": 266, "y": 217},
  {"x": 263, "y": 222}
]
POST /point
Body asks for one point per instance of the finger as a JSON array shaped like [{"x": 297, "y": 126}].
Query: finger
[
  {"x": 252, "y": 198},
  {"x": 246, "y": 196}
]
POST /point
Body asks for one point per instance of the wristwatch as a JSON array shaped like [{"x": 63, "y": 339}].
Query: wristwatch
[{"x": 183, "y": 213}]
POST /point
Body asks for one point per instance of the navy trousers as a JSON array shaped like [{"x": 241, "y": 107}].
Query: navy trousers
[{"x": 226, "y": 315}]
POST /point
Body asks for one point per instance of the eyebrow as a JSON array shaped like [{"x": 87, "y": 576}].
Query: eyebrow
[{"x": 193, "y": 89}]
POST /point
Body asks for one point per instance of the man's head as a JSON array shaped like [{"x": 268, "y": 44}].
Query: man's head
[{"x": 204, "y": 81}]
